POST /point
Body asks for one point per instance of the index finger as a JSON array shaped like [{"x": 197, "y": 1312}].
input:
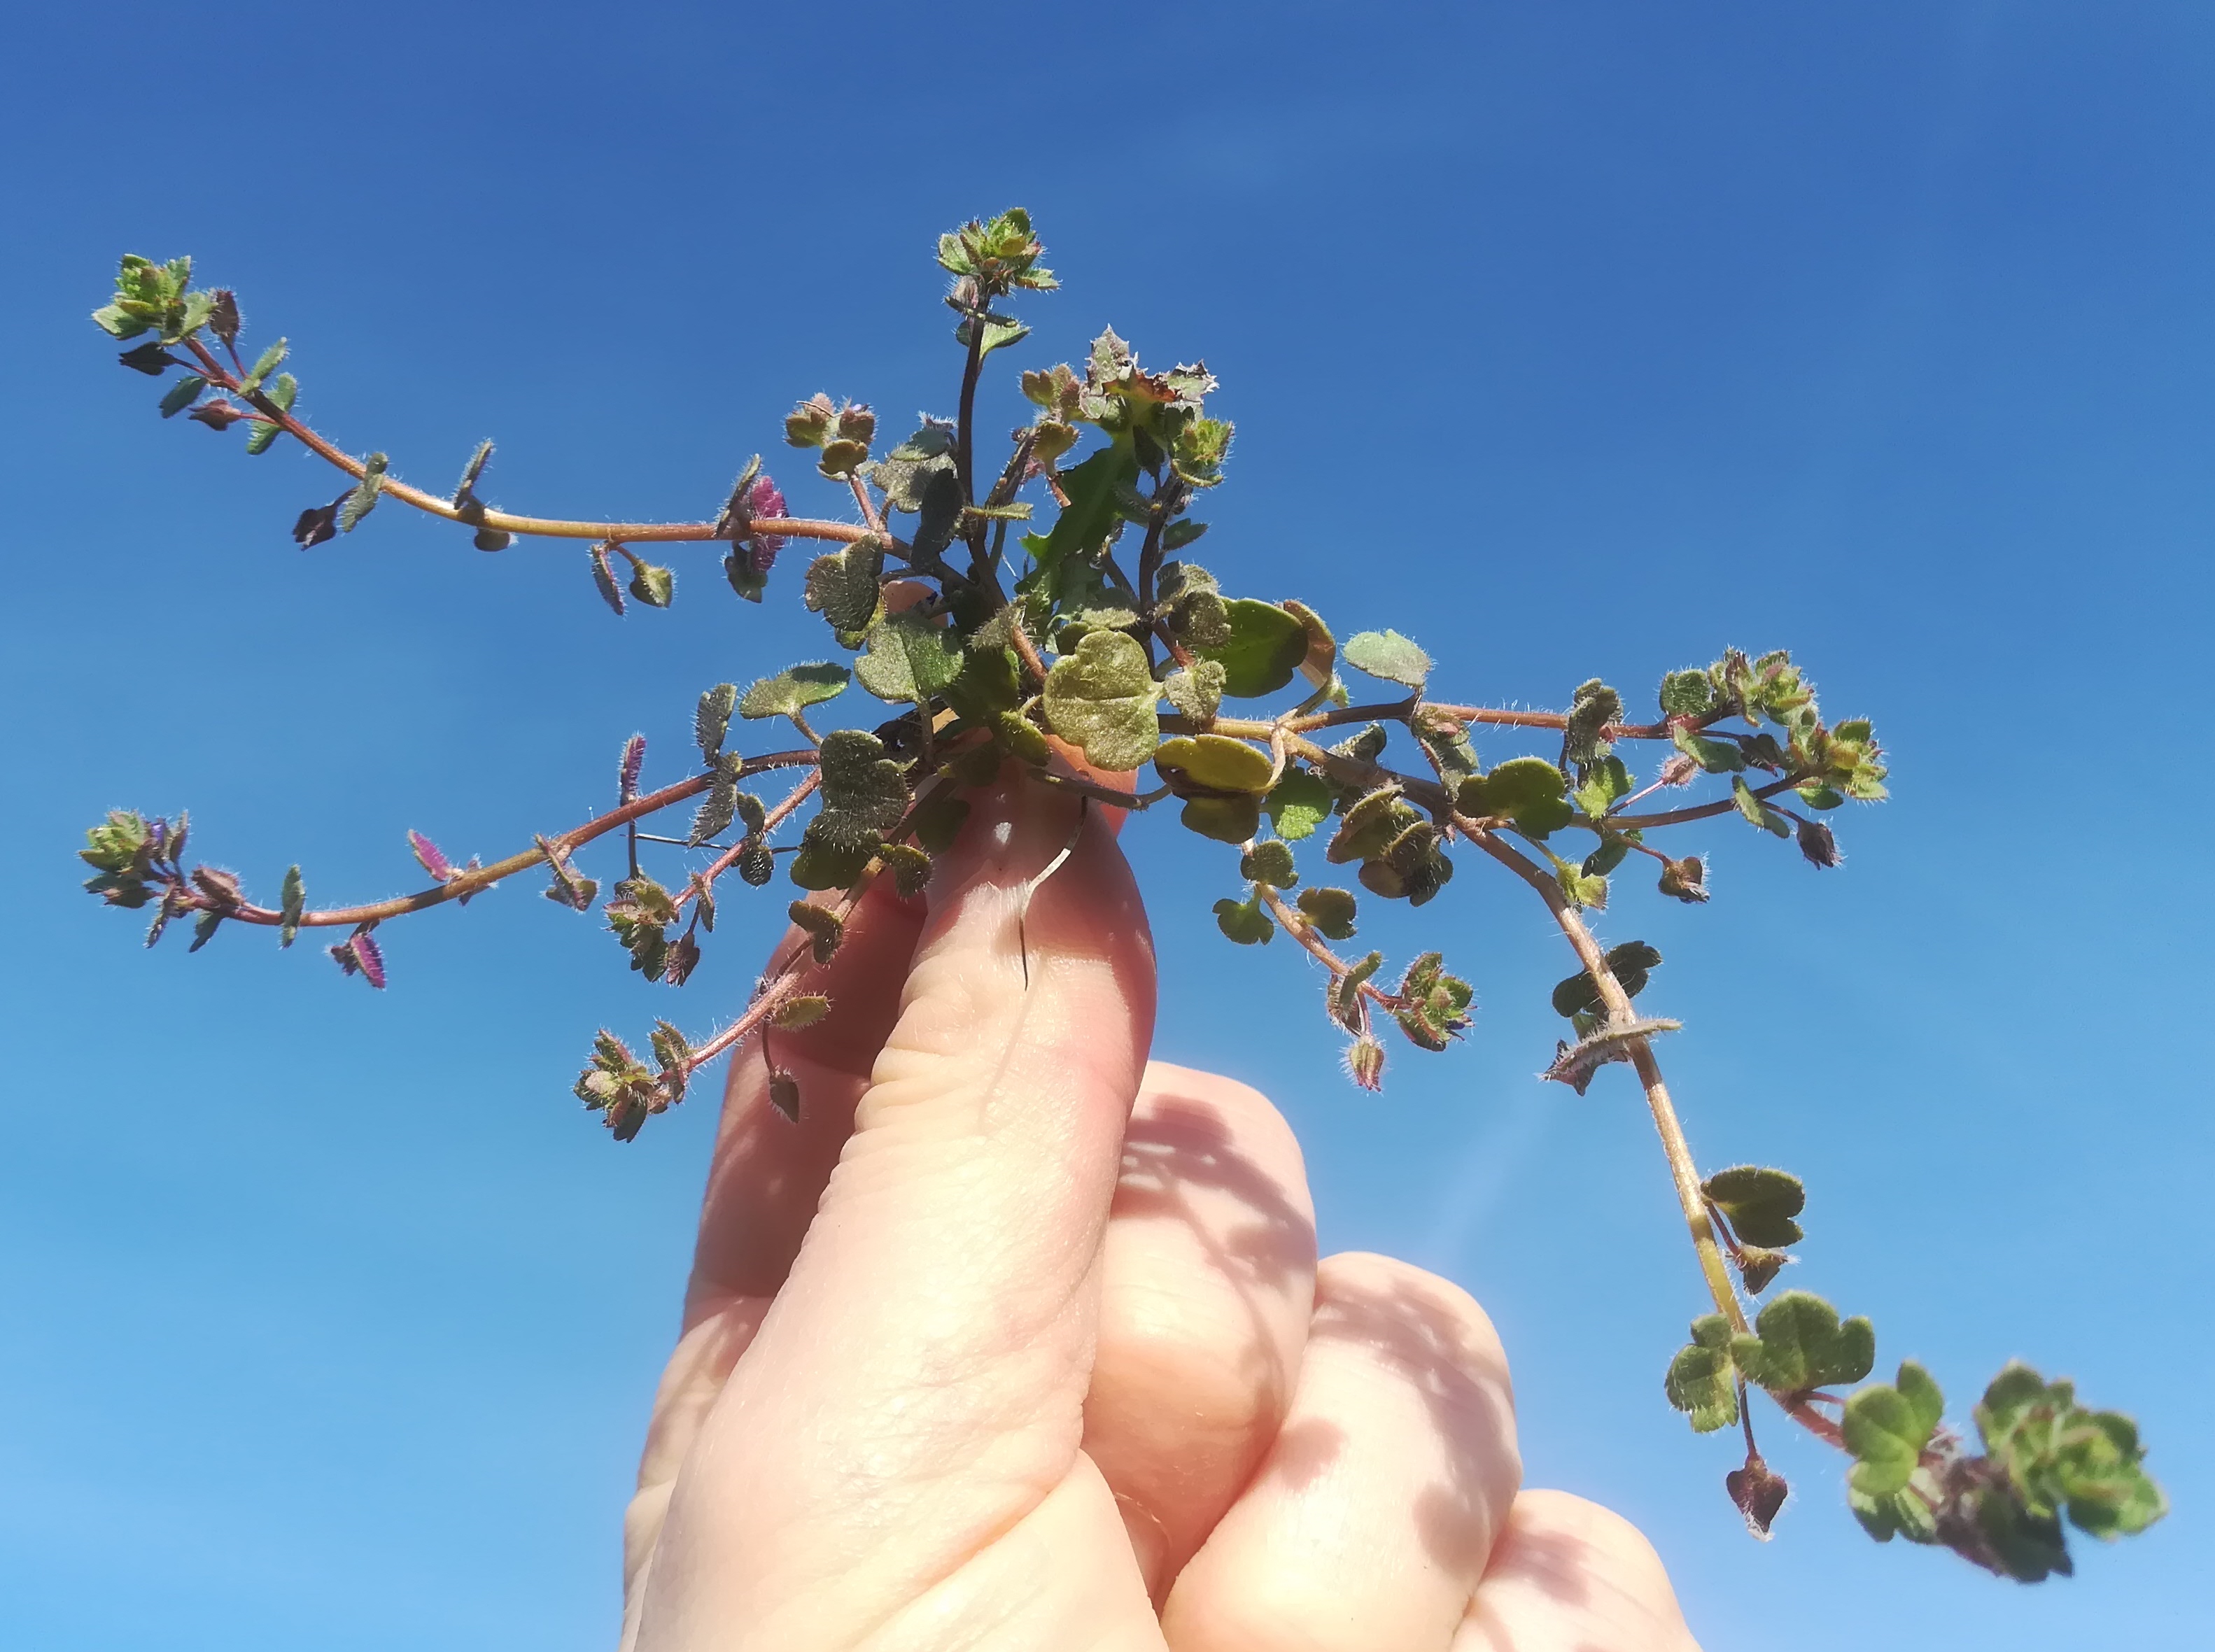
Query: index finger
[{"x": 768, "y": 1171}]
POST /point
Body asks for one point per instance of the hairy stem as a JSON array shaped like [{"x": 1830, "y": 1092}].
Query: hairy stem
[
  {"x": 472, "y": 882},
  {"x": 505, "y": 522},
  {"x": 1682, "y": 1170},
  {"x": 774, "y": 816}
]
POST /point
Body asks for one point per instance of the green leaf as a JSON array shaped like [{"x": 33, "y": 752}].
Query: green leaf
[
  {"x": 1446, "y": 739},
  {"x": 265, "y": 364},
  {"x": 1270, "y": 862},
  {"x": 842, "y": 585},
  {"x": 842, "y": 457},
  {"x": 1886, "y": 1426},
  {"x": 861, "y": 785},
  {"x": 718, "y": 809},
  {"x": 1592, "y": 709},
  {"x": 2058, "y": 1454},
  {"x": 1196, "y": 693},
  {"x": 1608, "y": 785},
  {"x": 189, "y": 317},
  {"x": 1225, "y": 819},
  {"x": 1388, "y": 655},
  {"x": 291, "y": 901},
  {"x": 794, "y": 689},
  {"x": 939, "y": 514},
  {"x": 821, "y": 864},
  {"x": 653, "y": 585},
  {"x": 1084, "y": 524},
  {"x": 1687, "y": 694},
  {"x": 1760, "y": 813},
  {"x": 1580, "y": 889},
  {"x": 1190, "y": 605},
  {"x": 363, "y": 500},
  {"x": 1245, "y": 921},
  {"x": 711, "y": 720},
  {"x": 1529, "y": 791},
  {"x": 1264, "y": 650},
  {"x": 1369, "y": 825},
  {"x": 1102, "y": 698},
  {"x": 1700, "y": 1381},
  {"x": 1213, "y": 763},
  {"x": 260, "y": 439},
  {"x": 1613, "y": 849},
  {"x": 1760, "y": 1203},
  {"x": 1904, "y": 1513},
  {"x": 1330, "y": 910},
  {"x": 181, "y": 395},
  {"x": 1346, "y": 993},
  {"x": 825, "y": 928},
  {"x": 1801, "y": 1344},
  {"x": 1297, "y": 804},
  {"x": 908, "y": 866},
  {"x": 120, "y": 322},
  {"x": 1630, "y": 963},
  {"x": 909, "y": 658},
  {"x": 998, "y": 334},
  {"x": 1715, "y": 756},
  {"x": 1435, "y": 1004},
  {"x": 804, "y": 1010}
]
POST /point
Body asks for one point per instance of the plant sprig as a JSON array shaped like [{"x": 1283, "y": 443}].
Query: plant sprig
[{"x": 1090, "y": 648}]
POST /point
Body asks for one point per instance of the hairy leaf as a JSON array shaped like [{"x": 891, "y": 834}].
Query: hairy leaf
[
  {"x": 1388, "y": 655},
  {"x": 794, "y": 689},
  {"x": 909, "y": 658},
  {"x": 1700, "y": 1381},
  {"x": 1760, "y": 1203},
  {"x": 1102, "y": 698},
  {"x": 1263, "y": 652},
  {"x": 1885, "y": 1426},
  {"x": 1213, "y": 763},
  {"x": 1297, "y": 804},
  {"x": 1330, "y": 910},
  {"x": 1800, "y": 1343}
]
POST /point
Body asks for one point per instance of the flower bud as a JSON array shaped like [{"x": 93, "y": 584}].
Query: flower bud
[{"x": 1365, "y": 1063}]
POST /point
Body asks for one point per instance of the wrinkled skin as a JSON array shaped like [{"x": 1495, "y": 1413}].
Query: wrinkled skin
[{"x": 1018, "y": 1340}]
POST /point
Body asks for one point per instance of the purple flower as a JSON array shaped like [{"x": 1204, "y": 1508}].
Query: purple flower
[
  {"x": 764, "y": 498},
  {"x": 357, "y": 954},
  {"x": 428, "y": 857}
]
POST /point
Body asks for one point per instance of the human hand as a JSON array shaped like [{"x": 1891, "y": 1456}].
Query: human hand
[{"x": 1016, "y": 1341}]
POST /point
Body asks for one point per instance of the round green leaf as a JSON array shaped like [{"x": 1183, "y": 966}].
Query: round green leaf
[
  {"x": 1264, "y": 651},
  {"x": 1388, "y": 655},
  {"x": 1215, "y": 761},
  {"x": 1103, "y": 697}
]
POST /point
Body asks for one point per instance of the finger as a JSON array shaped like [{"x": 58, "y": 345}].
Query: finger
[
  {"x": 764, "y": 1179},
  {"x": 1566, "y": 1573},
  {"x": 768, "y": 1172},
  {"x": 917, "y": 1387},
  {"x": 1207, "y": 1282},
  {"x": 1374, "y": 1513}
]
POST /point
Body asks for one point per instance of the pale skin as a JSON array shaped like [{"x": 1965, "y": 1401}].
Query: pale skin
[{"x": 1019, "y": 1341}]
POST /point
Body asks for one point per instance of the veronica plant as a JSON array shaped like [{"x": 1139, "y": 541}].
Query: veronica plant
[{"x": 1043, "y": 602}]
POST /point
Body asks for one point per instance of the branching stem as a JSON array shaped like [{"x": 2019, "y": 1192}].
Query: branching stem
[
  {"x": 1682, "y": 1170},
  {"x": 473, "y": 883},
  {"x": 503, "y": 521}
]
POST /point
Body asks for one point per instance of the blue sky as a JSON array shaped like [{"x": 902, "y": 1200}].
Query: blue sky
[{"x": 1579, "y": 339}]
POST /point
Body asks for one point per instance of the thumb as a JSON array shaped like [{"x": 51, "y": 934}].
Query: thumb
[{"x": 918, "y": 1387}]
